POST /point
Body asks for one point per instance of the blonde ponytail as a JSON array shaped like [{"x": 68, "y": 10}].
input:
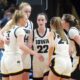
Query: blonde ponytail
[
  {"x": 17, "y": 15},
  {"x": 23, "y": 4},
  {"x": 55, "y": 22}
]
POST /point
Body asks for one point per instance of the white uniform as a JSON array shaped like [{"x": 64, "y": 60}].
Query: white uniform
[
  {"x": 41, "y": 45},
  {"x": 72, "y": 33},
  {"x": 11, "y": 62},
  {"x": 27, "y": 58},
  {"x": 75, "y": 69},
  {"x": 61, "y": 62}
]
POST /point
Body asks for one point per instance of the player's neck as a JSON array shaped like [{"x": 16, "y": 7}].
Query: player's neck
[{"x": 41, "y": 30}]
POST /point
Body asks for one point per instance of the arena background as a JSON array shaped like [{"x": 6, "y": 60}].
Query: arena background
[{"x": 51, "y": 7}]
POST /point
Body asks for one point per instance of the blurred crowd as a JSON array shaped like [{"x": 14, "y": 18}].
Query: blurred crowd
[{"x": 7, "y": 8}]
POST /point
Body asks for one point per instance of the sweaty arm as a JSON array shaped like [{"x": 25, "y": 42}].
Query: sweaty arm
[
  {"x": 74, "y": 34},
  {"x": 20, "y": 39},
  {"x": 30, "y": 40},
  {"x": 51, "y": 46}
]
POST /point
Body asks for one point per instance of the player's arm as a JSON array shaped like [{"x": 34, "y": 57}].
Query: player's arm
[
  {"x": 51, "y": 46},
  {"x": 27, "y": 50},
  {"x": 20, "y": 33},
  {"x": 20, "y": 39},
  {"x": 22, "y": 46},
  {"x": 1, "y": 41},
  {"x": 77, "y": 39},
  {"x": 30, "y": 39},
  {"x": 72, "y": 50}
]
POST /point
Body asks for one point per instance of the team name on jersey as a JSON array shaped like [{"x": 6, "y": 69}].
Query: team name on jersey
[{"x": 45, "y": 41}]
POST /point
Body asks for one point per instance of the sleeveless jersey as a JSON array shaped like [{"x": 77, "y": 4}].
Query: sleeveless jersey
[
  {"x": 13, "y": 47},
  {"x": 41, "y": 43},
  {"x": 28, "y": 29},
  {"x": 61, "y": 47}
]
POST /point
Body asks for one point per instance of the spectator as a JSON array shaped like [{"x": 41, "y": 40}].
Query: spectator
[
  {"x": 3, "y": 6},
  {"x": 7, "y": 16}
]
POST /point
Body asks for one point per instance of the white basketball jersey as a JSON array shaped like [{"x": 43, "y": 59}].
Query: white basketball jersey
[
  {"x": 13, "y": 47},
  {"x": 6, "y": 36},
  {"x": 61, "y": 47},
  {"x": 41, "y": 43},
  {"x": 28, "y": 29}
]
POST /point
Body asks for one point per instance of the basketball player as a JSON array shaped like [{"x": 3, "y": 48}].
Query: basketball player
[
  {"x": 40, "y": 45},
  {"x": 70, "y": 25},
  {"x": 59, "y": 58},
  {"x": 25, "y": 8},
  {"x": 11, "y": 63}
]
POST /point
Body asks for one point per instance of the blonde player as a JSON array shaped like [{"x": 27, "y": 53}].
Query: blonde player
[
  {"x": 70, "y": 23},
  {"x": 11, "y": 63},
  {"x": 40, "y": 45},
  {"x": 26, "y": 9},
  {"x": 59, "y": 58}
]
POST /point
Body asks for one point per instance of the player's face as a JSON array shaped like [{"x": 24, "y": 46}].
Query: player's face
[
  {"x": 27, "y": 10},
  {"x": 65, "y": 25},
  {"x": 41, "y": 21},
  {"x": 23, "y": 21}
]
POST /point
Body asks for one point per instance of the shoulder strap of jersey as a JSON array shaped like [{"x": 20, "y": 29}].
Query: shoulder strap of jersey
[
  {"x": 15, "y": 32},
  {"x": 31, "y": 24}
]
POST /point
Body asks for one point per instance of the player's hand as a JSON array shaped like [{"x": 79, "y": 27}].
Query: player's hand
[
  {"x": 6, "y": 41},
  {"x": 40, "y": 57}
]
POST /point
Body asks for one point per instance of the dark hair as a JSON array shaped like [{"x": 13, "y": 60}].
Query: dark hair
[
  {"x": 44, "y": 15},
  {"x": 70, "y": 19}
]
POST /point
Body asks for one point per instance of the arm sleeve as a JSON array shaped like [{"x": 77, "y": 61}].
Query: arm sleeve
[{"x": 73, "y": 32}]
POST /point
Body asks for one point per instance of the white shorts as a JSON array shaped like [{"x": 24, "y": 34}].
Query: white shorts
[
  {"x": 11, "y": 64},
  {"x": 40, "y": 69},
  {"x": 61, "y": 66},
  {"x": 26, "y": 62}
]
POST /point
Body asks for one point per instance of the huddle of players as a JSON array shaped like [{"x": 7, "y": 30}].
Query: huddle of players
[{"x": 55, "y": 50}]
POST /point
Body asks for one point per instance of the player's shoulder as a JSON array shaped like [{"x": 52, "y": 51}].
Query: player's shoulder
[
  {"x": 30, "y": 23},
  {"x": 35, "y": 30},
  {"x": 48, "y": 29}
]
